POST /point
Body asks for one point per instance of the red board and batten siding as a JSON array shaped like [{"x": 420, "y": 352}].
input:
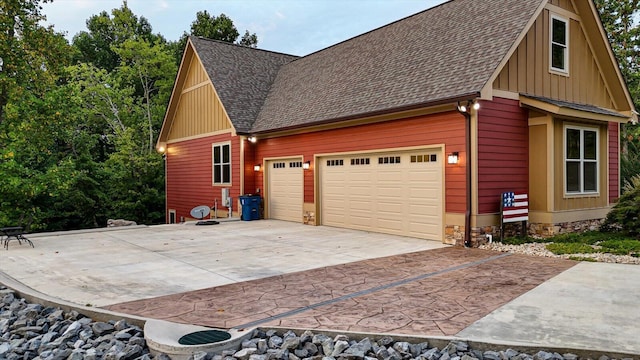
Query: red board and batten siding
[
  {"x": 445, "y": 128},
  {"x": 503, "y": 152},
  {"x": 190, "y": 175},
  {"x": 614, "y": 162}
]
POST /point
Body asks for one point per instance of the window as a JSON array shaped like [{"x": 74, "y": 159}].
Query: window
[
  {"x": 559, "y": 54},
  {"x": 279, "y": 165},
  {"x": 389, "y": 160},
  {"x": 222, "y": 164},
  {"x": 335, "y": 162},
  {"x": 581, "y": 160},
  {"x": 295, "y": 164},
  {"x": 424, "y": 158},
  {"x": 361, "y": 161}
]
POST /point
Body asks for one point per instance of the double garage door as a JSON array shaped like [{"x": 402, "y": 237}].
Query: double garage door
[{"x": 389, "y": 192}]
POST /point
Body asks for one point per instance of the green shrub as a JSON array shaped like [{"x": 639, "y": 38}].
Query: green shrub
[
  {"x": 570, "y": 248},
  {"x": 625, "y": 215},
  {"x": 621, "y": 247}
]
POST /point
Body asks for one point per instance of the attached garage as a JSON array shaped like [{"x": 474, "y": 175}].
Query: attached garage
[
  {"x": 395, "y": 192},
  {"x": 285, "y": 189}
]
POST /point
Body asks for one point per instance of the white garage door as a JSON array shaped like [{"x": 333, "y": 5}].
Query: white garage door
[
  {"x": 285, "y": 189},
  {"x": 395, "y": 193}
]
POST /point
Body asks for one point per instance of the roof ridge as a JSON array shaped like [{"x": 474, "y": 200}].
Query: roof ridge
[
  {"x": 373, "y": 30},
  {"x": 242, "y": 46}
]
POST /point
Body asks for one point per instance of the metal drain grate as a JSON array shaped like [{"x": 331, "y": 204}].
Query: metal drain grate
[{"x": 204, "y": 337}]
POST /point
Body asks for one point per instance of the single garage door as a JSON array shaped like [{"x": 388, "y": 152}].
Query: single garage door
[
  {"x": 395, "y": 193},
  {"x": 285, "y": 189}
]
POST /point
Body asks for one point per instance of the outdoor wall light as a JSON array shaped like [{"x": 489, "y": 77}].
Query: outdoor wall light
[
  {"x": 453, "y": 158},
  {"x": 463, "y": 108},
  {"x": 306, "y": 165},
  {"x": 256, "y": 167},
  {"x": 252, "y": 139},
  {"x": 161, "y": 149}
]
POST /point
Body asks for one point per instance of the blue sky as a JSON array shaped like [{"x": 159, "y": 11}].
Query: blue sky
[{"x": 297, "y": 27}]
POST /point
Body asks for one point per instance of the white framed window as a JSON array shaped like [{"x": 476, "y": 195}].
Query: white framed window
[
  {"x": 221, "y": 164},
  {"x": 581, "y": 161},
  {"x": 559, "y": 48}
]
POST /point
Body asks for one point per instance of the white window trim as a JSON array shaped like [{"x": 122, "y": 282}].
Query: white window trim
[
  {"x": 581, "y": 193},
  {"x": 213, "y": 164},
  {"x": 552, "y": 69}
]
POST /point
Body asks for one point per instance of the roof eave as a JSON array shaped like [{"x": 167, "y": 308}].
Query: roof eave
[{"x": 451, "y": 100}]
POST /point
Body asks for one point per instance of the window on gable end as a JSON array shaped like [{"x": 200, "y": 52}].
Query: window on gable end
[{"x": 559, "y": 51}]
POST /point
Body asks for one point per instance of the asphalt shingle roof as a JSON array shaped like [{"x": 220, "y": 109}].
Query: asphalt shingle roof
[
  {"x": 242, "y": 76},
  {"x": 442, "y": 53}
]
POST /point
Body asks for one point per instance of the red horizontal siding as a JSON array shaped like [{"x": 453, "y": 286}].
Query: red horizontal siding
[
  {"x": 189, "y": 173},
  {"x": 614, "y": 162},
  {"x": 445, "y": 128},
  {"x": 503, "y": 152}
]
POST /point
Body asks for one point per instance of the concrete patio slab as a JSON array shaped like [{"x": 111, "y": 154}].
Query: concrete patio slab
[{"x": 590, "y": 306}]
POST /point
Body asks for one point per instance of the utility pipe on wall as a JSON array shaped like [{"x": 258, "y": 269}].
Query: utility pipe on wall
[{"x": 465, "y": 110}]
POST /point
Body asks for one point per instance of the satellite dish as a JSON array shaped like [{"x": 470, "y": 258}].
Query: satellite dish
[{"x": 200, "y": 212}]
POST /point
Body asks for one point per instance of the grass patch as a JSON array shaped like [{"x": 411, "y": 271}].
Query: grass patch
[
  {"x": 522, "y": 240},
  {"x": 582, "y": 258},
  {"x": 621, "y": 247},
  {"x": 570, "y": 248}
]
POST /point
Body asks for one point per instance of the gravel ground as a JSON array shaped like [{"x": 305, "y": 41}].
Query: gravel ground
[{"x": 539, "y": 249}]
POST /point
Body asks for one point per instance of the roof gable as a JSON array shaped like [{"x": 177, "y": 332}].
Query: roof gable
[
  {"x": 440, "y": 54},
  {"x": 242, "y": 76}
]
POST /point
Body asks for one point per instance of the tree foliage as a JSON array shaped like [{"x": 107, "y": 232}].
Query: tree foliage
[
  {"x": 217, "y": 28},
  {"x": 621, "y": 20},
  {"x": 78, "y": 122}
]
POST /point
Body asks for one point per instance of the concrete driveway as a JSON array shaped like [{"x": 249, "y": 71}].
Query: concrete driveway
[
  {"x": 241, "y": 274},
  {"x": 115, "y": 265}
]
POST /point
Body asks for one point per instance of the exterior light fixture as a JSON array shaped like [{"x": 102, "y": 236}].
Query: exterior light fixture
[
  {"x": 466, "y": 107},
  {"x": 306, "y": 165},
  {"x": 453, "y": 158},
  {"x": 256, "y": 167},
  {"x": 161, "y": 149},
  {"x": 252, "y": 139}
]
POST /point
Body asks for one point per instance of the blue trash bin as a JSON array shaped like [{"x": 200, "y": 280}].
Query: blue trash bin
[{"x": 250, "y": 207}]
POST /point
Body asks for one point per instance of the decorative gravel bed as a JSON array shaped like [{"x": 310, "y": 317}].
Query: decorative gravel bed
[
  {"x": 539, "y": 249},
  {"x": 35, "y": 332}
]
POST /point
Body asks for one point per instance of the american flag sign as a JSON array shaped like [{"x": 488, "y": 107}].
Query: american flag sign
[{"x": 515, "y": 207}]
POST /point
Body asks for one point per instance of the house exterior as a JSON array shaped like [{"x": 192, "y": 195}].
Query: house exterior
[{"x": 414, "y": 128}]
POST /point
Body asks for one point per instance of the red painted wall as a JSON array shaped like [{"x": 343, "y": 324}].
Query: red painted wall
[
  {"x": 189, "y": 174},
  {"x": 614, "y": 162},
  {"x": 445, "y": 128},
  {"x": 503, "y": 152}
]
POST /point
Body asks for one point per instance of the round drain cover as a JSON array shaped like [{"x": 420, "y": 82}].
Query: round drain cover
[{"x": 204, "y": 337}]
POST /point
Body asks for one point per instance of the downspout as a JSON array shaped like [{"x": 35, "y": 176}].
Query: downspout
[{"x": 465, "y": 110}]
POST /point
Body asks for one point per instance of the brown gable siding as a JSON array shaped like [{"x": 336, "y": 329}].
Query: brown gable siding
[
  {"x": 564, "y": 4},
  {"x": 528, "y": 69},
  {"x": 199, "y": 110},
  {"x": 503, "y": 152},
  {"x": 443, "y": 53},
  {"x": 241, "y": 75}
]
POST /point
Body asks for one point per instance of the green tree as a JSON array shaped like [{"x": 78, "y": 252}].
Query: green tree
[
  {"x": 217, "y": 28},
  {"x": 106, "y": 31},
  {"x": 621, "y": 22},
  {"x": 30, "y": 54}
]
